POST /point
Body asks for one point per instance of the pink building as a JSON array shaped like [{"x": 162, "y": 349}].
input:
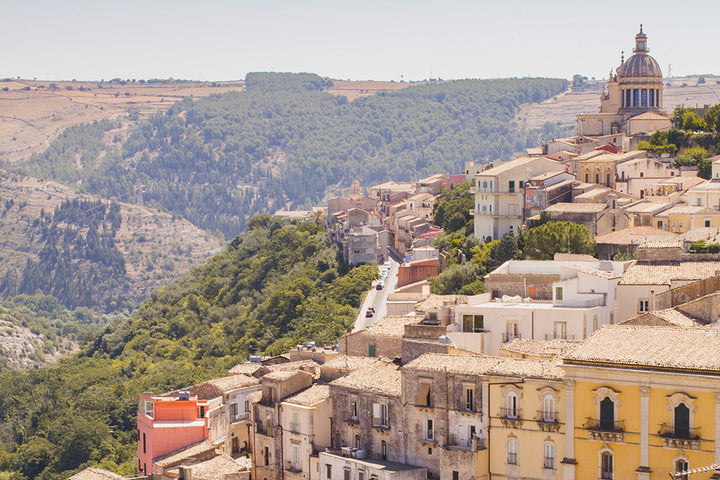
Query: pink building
[{"x": 166, "y": 424}]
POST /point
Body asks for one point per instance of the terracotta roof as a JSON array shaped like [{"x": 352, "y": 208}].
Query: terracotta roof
[
  {"x": 201, "y": 449},
  {"x": 96, "y": 474},
  {"x": 351, "y": 362},
  {"x": 310, "y": 396},
  {"x": 646, "y": 207},
  {"x": 634, "y": 235},
  {"x": 435, "y": 301},
  {"x": 390, "y": 326},
  {"x": 245, "y": 368},
  {"x": 709, "y": 234},
  {"x": 666, "y": 272},
  {"x": 280, "y": 375},
  {"x": 681, "y": 348},
  {"x": 216, "y": 468},
  {"x": 691, "y": 210},
  {"x": 255, "y": 397},
  {"x": 382, "y": 378},
  {"x": 595, "y": 272},
  {"x": 709, "y": 186},
  {"x": 518, "y": 162},
  {"x": 577, "y": 207},
  {"x": 482, "y": 365},
  {"x": 573, "y": 257},
  {"x": 668, "y": 315},
  {"x": 663, "y": 243},
  {"x": 649, "y": 116},
  {"x": 297, "y": 365},
  {"x": 233, "y": 382},
  {"x": 539, "y": 348}
]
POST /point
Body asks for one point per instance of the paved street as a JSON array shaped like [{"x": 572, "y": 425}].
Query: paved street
[{"x": 377, "y": 298}]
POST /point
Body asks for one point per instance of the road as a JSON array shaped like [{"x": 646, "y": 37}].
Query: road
[{"x": 377, "y": 298}]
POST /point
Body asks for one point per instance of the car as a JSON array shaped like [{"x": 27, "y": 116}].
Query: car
[
  {"x": 369, "y": 313},
  {"x": 380, "y": 285},
  {"x": 386, "y": 265}
]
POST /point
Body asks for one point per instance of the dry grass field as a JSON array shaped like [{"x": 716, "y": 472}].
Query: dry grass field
[
  {"x": 33, "y": 113},
  {"x": 353, "y": 90},
  {"x": 563, "y": 108}
]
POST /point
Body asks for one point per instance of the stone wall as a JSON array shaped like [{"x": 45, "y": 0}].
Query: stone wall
[
  {"x": 686, "y": 293},
  {"x": 704, "y": 309},
  {"x": 358, "y": 344},
  {"x": 518, "y": 284}
]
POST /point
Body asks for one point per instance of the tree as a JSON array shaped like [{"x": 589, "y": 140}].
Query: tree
[
  {"x": 696, "y": 157},
  {"x": 543, "y": 242},
  {"x": 458, "y": 279}
]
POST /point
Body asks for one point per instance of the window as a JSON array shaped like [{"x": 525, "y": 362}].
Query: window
[
  {"x": 473, "y": 323},
  {"x": 512, "y": 457},
  {"x": 660, "y": 224},
  {"x": 595, "y": 322},
  {"x": 548, "y": 412},
  {"x": 511, "y": 403},
  {"x": 560, "y": 330},
  {"x": 383, "y": 450},
  {"x": 144, "y": 444},
  {"x": 247, "y": 406},
  {"x": 371, "y": 350},
  {"x": 606, "y": 464},
  {"x": 233, "y": 411},
  {"x": 511, "y": 186},
  {"x": 597, "y": 178},
  {"x": 424, "y": 393},
  {"x": 455, "y": 475},
  {"x": 644, "y": 306},
  {"x": 357, "y": 442},
  {"x": 607, "y": 179},
  {"x": 511, "y": 331},
  {"x": 266, "y": 456},
  {"x": 429, "y": 433},
  {"x": 380, "y": 414},
  {"x": 202, "y": 411},
  {"x": 295, "y": 426},
  {"x": 296, "y": 456},
  {"x": 328, "y": 471},
  {"x": 522, "y": 184},
  {"x": 549, "y": 455},
  {"x": 607, "y": 414},
  {"x": 353, "y": 409},
  {"x": 682, "y": 421},
  {"x": 346, "y": 473},
  {"x": 707, "y": 223},
  {"x": 682, "y": 466},
  {"x": 559, "y": 295},
  {"x": 361, "y": 475},
  {"x": 587, "y": 180},
  {"x": 469, "y": 399}
]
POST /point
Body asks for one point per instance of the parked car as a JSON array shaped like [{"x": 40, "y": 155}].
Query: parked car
[
  {"x": 369, "y": 313},
  {"x": 380, "y": 285}
]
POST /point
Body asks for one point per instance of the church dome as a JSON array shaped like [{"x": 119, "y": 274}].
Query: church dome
[{"x": 640, "y": 65}]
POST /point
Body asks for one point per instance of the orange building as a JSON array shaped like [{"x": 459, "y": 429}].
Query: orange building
[{"x": 166, "y": 424}]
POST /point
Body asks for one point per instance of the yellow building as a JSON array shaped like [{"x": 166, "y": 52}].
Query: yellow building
[
  {"x": 646, "y": 402},
  {"x": 682, "y": 218}
]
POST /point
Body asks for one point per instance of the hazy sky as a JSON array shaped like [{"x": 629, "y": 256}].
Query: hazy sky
[{"x": 360, "y": 40}]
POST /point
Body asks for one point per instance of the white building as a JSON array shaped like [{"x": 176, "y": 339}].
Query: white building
[
  {"x": 583, "y": 298},
  {"x": 499, "y": 195},
  {"x": 706, "y": 194}
]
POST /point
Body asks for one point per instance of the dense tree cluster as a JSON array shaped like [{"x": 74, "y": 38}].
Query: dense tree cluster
[
  {"x": 78, "y": 262},
  {"x": 468, "y": 260},
  {"x": 277, "y": 285},
  {"x": 219, "y": 160}
]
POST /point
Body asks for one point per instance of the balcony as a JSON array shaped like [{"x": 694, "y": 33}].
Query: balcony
[
  {"x": 471, "y": 445},
  {"x": 549, "y": 463},
  {"x": 240, "y": 417},
  {"x": 547, "y": 421},
  {"x": 380, "y": 423},
  {"x": 511, "y": 417},
  {"x": 679, "y": 437},
  {"x": 607, "y": 431}
]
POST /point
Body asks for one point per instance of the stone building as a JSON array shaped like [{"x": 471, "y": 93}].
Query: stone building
[{"x": 632, "y": 102}]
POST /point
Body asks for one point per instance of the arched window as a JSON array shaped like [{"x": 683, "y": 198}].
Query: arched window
[
  {"x": 606, "y": 465},
  {"x": 512, "y": 457},
  {"x": 682, "y": 421},
  {"x": 383, "y": 449},
  {"x": 607, "y": 414},
  {"x": 357, "y": 442},
  {"x": 512, "y": 405},
  {"x": 549, "y": 455},
  {"x": 681, "y": 466}
]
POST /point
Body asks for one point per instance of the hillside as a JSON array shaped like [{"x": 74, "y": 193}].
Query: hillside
[
  {"x": 44, "y": 229},
  {"x": 283, "y": 142},
  {"x": 563, "y": 108},
  {"x": 34, "y": 113},
  {"x": 276, "y": 285}
]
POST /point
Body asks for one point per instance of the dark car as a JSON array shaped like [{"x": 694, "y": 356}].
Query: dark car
[{"x": 369, "y": 313}]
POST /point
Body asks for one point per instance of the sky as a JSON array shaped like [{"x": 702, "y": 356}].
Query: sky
[{"x": 218, "y": 40}]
